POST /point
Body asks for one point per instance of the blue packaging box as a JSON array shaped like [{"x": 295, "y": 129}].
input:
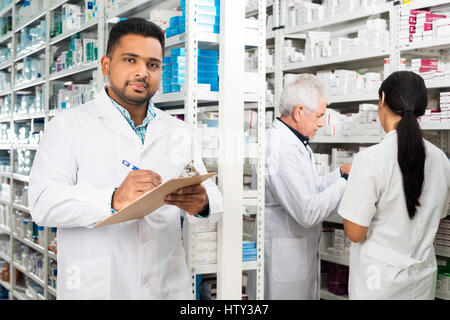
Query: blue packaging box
[
  {"x": 208, "y": 53},
  {"x": 177, "y": 21},
  {"x": 167, "y": 74},
  {"x": 208, "y": 67},
  {"x": 166, "y": 60},
  {"x": 209, "y": 19},
  {"x": 177, "y": 81},
  {"x": 248, "y": 244},
  {"x": 212, "y": 75},
  {"x": 207, "y": 60},
  {"x": 178, "y": 59},
  {"x": 171, "y": 31},
  {"x": 175, "y": 88},
  {"x": 249, "y": 258},
  {"x": 167, "y": 89},
  {"x": 203, "y": 2},
  {"x": 249, "y": 251},
  {"x": 215, "y": 87},
  {"x": 177, "y": 66},
  {"x": 177, "y": 52},
  {"x": 178, "y": 73}
]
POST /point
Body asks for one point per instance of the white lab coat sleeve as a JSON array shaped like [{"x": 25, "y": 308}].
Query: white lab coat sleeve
[
  {"x": 289, "y": 186},
  {"x": 55, "y": 197},
  {"x": 358, "y": 204},
  {"x": 447, "y": 175},
  {"x": 329, "y": 179},
  {"x": 212, "y": 191}
]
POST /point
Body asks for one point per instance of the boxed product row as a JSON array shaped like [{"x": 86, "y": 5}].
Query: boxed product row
[
  {"x": 440, "y": 114},
  {"x": 334, "y": 242},
  {"x": 72, "y": 17},
  {"x": 31, "y": 37},
  {"x": 347, "y": 82},
  {"x": 423, "y": 25},
  {"x": 29, "y": 9},
  {"x": 302, "y": 12},
  {"x": 339, "y": 156}
]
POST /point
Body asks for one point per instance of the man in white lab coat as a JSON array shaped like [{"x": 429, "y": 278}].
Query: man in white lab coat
[
  {"x": 79, "y": 177},
  {"x": 297, "y": 200}
]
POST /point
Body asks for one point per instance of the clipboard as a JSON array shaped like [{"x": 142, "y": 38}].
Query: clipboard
[{"x": 152, "y": 200}]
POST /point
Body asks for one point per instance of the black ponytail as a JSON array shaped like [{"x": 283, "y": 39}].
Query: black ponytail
[{"x": 406, "y": 95}]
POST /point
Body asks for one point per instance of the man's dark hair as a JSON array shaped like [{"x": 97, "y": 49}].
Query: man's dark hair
[{"x": 137, "y": 26}]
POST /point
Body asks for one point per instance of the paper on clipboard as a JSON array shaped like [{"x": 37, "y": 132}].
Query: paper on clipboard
[{"x": 152, "y": 200}]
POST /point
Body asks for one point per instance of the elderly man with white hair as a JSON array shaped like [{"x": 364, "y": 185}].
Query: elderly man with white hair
[{"x": 297, "y": 200}]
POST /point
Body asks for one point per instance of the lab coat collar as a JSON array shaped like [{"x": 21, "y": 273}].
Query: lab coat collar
[
  {"x": 290, "y": 137},
  {"x": 113, "y": 119}
]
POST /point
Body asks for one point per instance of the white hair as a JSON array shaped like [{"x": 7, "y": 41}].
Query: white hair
[{"x": 305, "y": 90}]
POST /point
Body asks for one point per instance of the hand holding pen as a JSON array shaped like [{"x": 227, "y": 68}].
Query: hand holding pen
[{"x": 135, "y": 184}]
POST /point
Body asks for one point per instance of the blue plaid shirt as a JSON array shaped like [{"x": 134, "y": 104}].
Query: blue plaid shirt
[{"x": 141, "y": 129}]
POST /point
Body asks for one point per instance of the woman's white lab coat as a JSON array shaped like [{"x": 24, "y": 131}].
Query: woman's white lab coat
[
  {"x": 396, "y": 259},
  {"x": 77, "y": 166},
  {"x": 297, "y": 201}
]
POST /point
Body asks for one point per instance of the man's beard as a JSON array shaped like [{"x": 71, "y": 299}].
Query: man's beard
[{"x": 121, "y": 93}]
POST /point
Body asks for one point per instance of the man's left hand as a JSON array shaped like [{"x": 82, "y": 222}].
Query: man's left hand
[{"x": 191, "y": 199}]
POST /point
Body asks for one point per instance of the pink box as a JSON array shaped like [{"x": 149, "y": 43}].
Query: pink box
[
  {"x": 416, "y": 12},
  {"x": 412, "y": 19}
]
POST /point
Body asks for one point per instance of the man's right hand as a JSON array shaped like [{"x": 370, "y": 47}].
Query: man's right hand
[
  {"x": 345, "y": 168},
  {"x": 135, "y": 184}
]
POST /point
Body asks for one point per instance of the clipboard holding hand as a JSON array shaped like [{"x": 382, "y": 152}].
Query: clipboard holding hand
[{"x": 152, "y": 200}]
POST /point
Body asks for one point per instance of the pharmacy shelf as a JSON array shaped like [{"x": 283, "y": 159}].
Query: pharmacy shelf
[
  {"x": 64, "y": 36},
  {"x": 330, "y": 22},
  {"x": 18, "y": 117},
  {"x": 5, "y": 146},
  {"x": 52, "y": 291},
  {"x": 5, "y": 65},
  {"x": 419, "y": 4},
  {"x": 6, "y": 37},
  {"x": 270, "y": 69},
  {"x": 437, "y": 84},
  {"x": 342, "y": 59},
  {"x": 30, "y": 275},
  {"x": 348, "y": 139},
  {"x": 20, "y": 296},
  {"x": 4, "y": 229},
  {"x": 326, "y": 295},
  {"x": 5, "y": 92},
  {"x": 5, "y": 10},
  {"x": 82, "y": 68},
  {"x": 57, "y": 4},
  {"x": 443, "y": 43},
  {"x": 335, "y": 218},
  {"x": 5, "y": 284},
  {"x": 30, "y": 51},
  {"x": 52, "y": 256},
  {"x": 21, "y": 177},
  {"x": 31, "y": 21},
  {"x": 29, "y": 243},
  {"x": 21, "y": 207},
  {"x": 442, "y": 252},
  {"x": 27, "y": 147},
  {"x": 212, "y": 268},
  {"x": 342, "y": 260},
  {"x": 29, "y": 84},
  {"x": 359, "y": 97},
  {"x": 4, "y": 256},
  {"x": 8, "y": 119},
  {"x": 443, "y": 296},
  {"x": 131, "y": 8},
  {"x": 205, "y": 40},
  {"x": 435, "y": 126},
  {"x": 177, "y": 98}
]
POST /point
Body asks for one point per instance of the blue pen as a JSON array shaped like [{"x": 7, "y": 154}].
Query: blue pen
[{"x": 129, "y": 165}]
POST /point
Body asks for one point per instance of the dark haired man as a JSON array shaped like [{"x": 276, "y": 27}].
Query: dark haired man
[{"x": 78, "y": 178}]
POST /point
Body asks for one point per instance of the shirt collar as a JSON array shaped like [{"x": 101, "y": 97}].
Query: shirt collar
[
  {"x": 303, "y": 139},
  {"x": 150, "y": 112}
]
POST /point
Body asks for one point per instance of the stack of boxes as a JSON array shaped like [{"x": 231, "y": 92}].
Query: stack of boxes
[
  {"x": 334, "y": 277},
  {"x": 248, "y": 251},
  {"x": 30, "y": 70},
  {"x": 346, "y": 82},
  {"x": 162, "y": 17},
  {"x": 363, "y": 123},
  {"x": 28, "y": 10},
  {"x": 31, "y": 37},
  {"x": 431, "y": 69},
  {"x": 443, "y": 277},
  {"x": 422, "y": 25},
  {"x": 335, "y": 242},
  {"x": 82, "y": 49},
  {"x": 433, "y": 115},
  {"x": 208, "y": 18},
  {"x": 174, "y": 70}
]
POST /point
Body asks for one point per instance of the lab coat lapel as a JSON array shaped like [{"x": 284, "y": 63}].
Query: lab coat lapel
[
  {"x": 111, "y": 117},
  {"x": 156, "y": 129}
]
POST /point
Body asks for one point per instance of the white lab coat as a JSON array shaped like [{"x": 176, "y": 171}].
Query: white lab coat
[
  {"x": 396, "y": 259},
  {"x": 297, "y": 201},
  {"x": 77, "y": 167}
]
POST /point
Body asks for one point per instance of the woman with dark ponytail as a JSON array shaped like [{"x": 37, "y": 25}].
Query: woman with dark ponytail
[{"x": 396, "y": 195}]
